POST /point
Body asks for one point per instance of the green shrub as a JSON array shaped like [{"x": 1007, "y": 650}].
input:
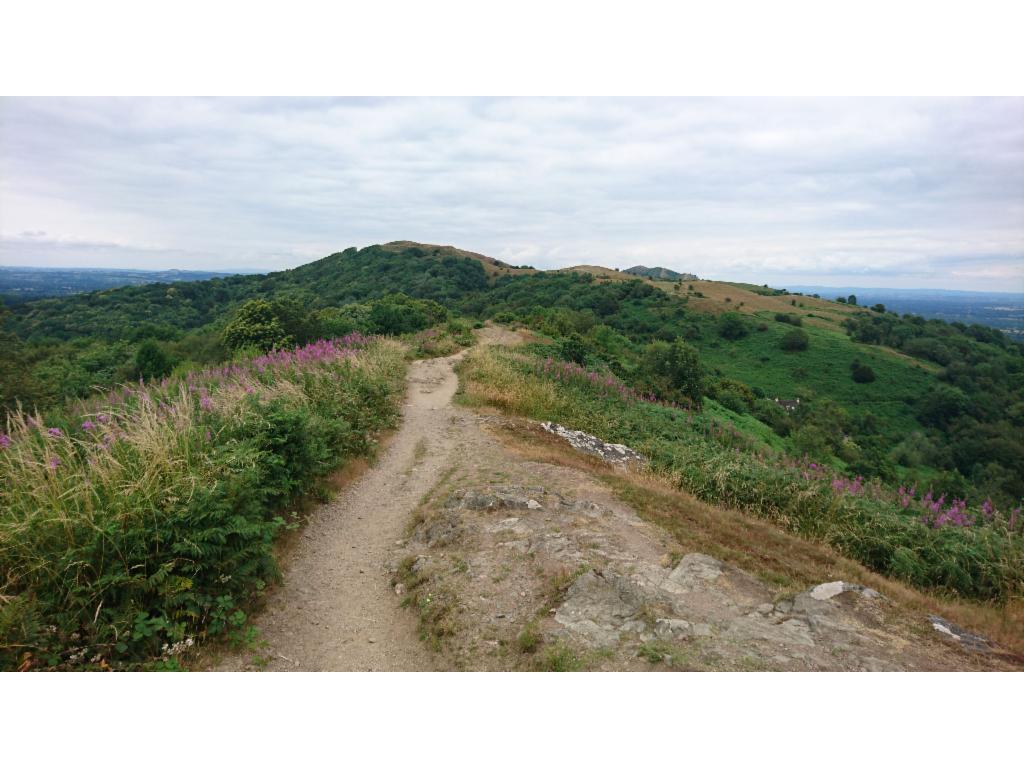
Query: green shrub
[
  {"x": 795, "y": 341},
  {"x": 573, "y": 349},
  {"x": 731, "y": 326},
  {"x": 862, "y": 374},
  {"x": 673, "y": 372},
  {"x": 151, "y": 362}
]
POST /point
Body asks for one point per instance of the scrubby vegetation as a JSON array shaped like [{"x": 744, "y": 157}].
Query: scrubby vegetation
[
  {"x": 134, "y": 523},
  {"x": 925, "y": 540}
]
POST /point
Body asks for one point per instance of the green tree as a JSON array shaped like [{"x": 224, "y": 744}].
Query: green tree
[
  {"x": 851, "y": 299},
  {"x": 299, "y": 323},
  {"x": 573, "y": 349},
  {"x": 942, "y": 405},
  {"x": 674, "y": 371},
  {"x": 256, "y": 325},
  {"x": 151, "y": 362}
]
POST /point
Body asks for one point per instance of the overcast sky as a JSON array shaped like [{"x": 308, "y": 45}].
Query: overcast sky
[{"x": 901, "y": 193}]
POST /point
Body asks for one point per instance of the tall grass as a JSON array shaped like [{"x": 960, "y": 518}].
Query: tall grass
[
  {"x": 136, "y": 522},
  {"x": 869, "y": 523}
]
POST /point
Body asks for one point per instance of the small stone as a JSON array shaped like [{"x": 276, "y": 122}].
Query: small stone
[
  {"x": 399, "y": 589},
  {"x": 533, "y": 504},
  {"x": 371, "y": 640},
  {"x": 765, "y": 608}
]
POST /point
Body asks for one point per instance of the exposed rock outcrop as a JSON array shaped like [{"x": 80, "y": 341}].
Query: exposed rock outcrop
[{"x": 614, "y": 453}]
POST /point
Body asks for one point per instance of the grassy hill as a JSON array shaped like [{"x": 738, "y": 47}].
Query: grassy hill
[
  {"x": 941, "y": 408},
  {"x": 903, "y": 451}
]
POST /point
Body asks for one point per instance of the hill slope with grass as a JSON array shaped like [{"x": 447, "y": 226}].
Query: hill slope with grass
[
  {"x": 897, "y": 397},
  {"x": 892, "y": 438}
]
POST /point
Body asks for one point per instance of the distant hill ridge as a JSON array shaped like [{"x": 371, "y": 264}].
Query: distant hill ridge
[{"x": 659, "y": 273}]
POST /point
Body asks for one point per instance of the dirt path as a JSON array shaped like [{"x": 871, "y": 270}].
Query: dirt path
[{"x": 335, "y": 609}]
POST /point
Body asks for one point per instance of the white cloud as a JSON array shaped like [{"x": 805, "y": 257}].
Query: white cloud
[{"x": 902, "y": 191}]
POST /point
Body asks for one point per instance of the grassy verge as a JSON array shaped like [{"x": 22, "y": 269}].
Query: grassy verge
[
  {"x": 139, "y": 523},
  {"x": 442, "y": 340},
  {"x": 981, "y": 562}
]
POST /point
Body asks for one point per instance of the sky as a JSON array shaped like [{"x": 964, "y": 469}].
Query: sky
[{"x": 866, "y": 192}]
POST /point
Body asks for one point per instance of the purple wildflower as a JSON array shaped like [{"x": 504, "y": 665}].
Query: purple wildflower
[
  {"x": 54, "y": 432},
  {"x": 87, "y": 425},
  {"x": 987, "y": 509},
  {"x": 53, "y": 462},
  {"x": 5, "y": 441}
]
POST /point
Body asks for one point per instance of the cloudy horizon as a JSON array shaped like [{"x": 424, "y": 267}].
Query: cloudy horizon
[{"x": 912, "y": 193}]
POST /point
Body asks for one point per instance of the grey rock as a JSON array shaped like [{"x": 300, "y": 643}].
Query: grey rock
[
  {"x": 599, "y": 607},
  {"x": 511, "y": 525},
  {"x": 832, "y": 588},
  {"x": 965, "y": 639},
  {"x": 694, "y": 570},
  {"x": 439, "y": 532},
  {"x": 495, "y": 498},
  {"x": 614, "y": 453}
]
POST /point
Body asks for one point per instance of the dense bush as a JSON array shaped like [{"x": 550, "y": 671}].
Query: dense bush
[
  {"x": 862, "y": 374},
  {"x": 673, "y": 372},
  {"x": 795, "y": 341},
  {"x": 151, "y": 362},
  {"x": 731, "y": 326},
  {"x": 146, "y": 519}
]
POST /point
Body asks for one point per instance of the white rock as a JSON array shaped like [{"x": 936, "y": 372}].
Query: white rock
[{"x": 829, "y": 590}]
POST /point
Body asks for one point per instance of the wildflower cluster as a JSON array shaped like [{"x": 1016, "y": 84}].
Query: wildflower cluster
[
  {"x": 938, "y": 513},
  {"x": 853, "y": 487},
  {"x": 601, "y": 384}
]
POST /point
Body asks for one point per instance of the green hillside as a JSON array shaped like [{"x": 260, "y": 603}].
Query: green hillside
[{"x": 898, "y": 398}]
